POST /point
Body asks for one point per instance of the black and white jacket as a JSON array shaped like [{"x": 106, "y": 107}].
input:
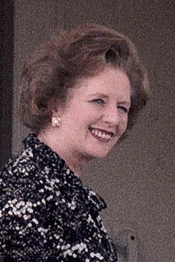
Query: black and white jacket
[{"x": 45, "y": 212}]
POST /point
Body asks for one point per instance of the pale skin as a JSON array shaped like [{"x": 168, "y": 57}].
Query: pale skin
[{"x": 94, "y": 118}]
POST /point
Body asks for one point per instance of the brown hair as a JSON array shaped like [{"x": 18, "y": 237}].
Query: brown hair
[{"x": 69, "y": 56}]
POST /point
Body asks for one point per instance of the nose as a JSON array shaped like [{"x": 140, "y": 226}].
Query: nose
[{"x": 111, "y": 116}]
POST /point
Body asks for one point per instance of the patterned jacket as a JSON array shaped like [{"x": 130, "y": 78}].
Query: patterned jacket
[{"x": 45, "y": 212}]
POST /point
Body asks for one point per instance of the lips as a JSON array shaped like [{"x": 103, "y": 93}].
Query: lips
[{"x": 101, "y": 135}]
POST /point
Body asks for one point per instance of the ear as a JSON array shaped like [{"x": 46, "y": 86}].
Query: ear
[
  {"x": 55, "y": 108},
  {"x": 57, "y": 113}
]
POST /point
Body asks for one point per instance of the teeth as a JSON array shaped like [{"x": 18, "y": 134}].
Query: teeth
[
  {"x": 108, "y": 136},
  {"x": 101, "y": 134}
]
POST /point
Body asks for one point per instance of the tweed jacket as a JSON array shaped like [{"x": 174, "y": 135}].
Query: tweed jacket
[{"x": 46, "y": 214}]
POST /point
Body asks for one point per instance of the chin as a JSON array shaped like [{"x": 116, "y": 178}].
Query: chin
[{"x": 99, "y": 153}]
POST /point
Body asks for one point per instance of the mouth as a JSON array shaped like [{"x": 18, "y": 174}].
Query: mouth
[{"x": 101, "y": 135}]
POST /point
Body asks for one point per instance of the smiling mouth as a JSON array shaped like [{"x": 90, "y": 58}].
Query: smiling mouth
[{"x": 101, "y": 135}]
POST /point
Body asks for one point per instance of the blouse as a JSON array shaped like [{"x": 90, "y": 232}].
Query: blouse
[{"x": 46, "y": 214}]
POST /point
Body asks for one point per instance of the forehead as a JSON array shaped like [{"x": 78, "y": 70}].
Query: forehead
[{"x": 110, "y": 82}]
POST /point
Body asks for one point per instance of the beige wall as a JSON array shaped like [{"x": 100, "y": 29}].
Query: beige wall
[{"x": 137, "y": 179}]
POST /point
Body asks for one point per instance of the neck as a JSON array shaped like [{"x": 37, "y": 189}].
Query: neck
[{"x": 75, "y": 162}]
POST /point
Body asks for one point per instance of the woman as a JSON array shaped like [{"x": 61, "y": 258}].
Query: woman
[{"x": 80, "y": 93}]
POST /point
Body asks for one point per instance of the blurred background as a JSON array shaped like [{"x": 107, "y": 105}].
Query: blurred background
[{"x": 137, "y": 179}]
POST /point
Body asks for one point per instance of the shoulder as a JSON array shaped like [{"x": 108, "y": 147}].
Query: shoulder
[
  {"x": 27, "y": 194},
  {"x": 25, "y": 178},
  {"x": 24, "y": 182},
  {"x": 19, "y": 171}
]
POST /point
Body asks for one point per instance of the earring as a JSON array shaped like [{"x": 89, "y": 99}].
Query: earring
[{"x": 56, "y": 121}]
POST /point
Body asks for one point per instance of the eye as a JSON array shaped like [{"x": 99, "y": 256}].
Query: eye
[
  {"x": 123, "y": 109},
  {"x": 98, "y": 101}
]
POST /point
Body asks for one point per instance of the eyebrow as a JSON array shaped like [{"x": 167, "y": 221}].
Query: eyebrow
[
  {"x": 125, "y": 103},
  {"x": 99, "y": 94}
]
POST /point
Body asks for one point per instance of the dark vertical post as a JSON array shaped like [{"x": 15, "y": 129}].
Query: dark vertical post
[{"x": 6, "y": 77}]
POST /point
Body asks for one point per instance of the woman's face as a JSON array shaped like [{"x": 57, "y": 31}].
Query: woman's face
[{"x": 96, "y": 114}]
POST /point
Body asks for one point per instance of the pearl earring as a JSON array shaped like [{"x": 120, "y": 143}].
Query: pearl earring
[{"x": 56, "y": 121}]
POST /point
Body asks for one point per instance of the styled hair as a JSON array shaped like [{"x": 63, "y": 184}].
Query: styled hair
[{"x": 70, "y": 56}]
